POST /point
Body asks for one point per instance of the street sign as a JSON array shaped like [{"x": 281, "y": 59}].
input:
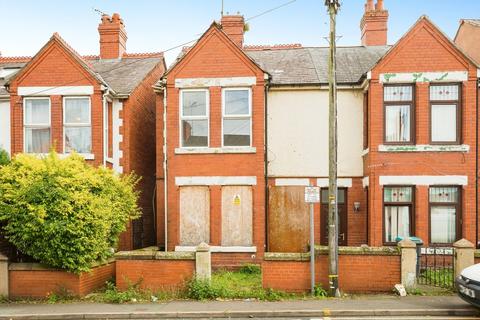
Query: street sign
[{"x": 312, "y": 194}]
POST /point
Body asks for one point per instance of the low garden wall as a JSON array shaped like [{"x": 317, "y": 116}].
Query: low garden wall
[
  {"x": 361, "y": 269},
  {"x": 154, "y": 270},
  {"x": 33, "y": 280}
]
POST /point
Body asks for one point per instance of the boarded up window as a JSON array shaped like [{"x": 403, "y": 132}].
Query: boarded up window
[
  {"x": 236, "y": 216},
  {"x": 194, "y": 215},
  {"x": 288, "y": 220}
]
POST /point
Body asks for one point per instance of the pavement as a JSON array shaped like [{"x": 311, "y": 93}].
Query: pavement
[{"x": 367, "y": 307}]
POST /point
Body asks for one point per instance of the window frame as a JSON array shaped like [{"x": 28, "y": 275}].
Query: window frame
[
  {"x": 458, "y": 103},
  {"x": 182, "y": 117},
  {"x": 238, "y": 117},
  {"x": 458, "y": 214},
  {"x": 83, "y": 125},
  {"x": 410, "y": 103},
  {"x": 36, "y": 126},
  {"x": 411, "y": 204}
]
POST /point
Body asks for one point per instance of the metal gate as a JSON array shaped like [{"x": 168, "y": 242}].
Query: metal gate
[{"x": 435, "y": 267}]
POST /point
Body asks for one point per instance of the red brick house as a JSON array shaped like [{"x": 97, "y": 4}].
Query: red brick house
[
  {"x": 102, "y": 107},
  {"x": 211, "y": 179},
  {"x": 420, "y": 156},
  {"x": 406, "y": 166}
]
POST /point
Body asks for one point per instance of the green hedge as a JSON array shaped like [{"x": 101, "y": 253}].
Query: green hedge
[
  {"x": 4, "y": 157},
  {"x": 63, "y": 212}
]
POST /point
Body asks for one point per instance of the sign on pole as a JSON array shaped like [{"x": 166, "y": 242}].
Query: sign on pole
[{"x": 312, "y": 194}]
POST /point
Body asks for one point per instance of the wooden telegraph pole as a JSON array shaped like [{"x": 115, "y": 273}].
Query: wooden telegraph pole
[{"x": 333, "y": 6}]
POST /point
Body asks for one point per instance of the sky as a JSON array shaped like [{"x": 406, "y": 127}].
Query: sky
[{"x": 158, "y": 25}]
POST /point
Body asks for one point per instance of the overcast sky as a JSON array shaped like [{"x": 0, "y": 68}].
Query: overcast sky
[{"x": 156, "y": 25}]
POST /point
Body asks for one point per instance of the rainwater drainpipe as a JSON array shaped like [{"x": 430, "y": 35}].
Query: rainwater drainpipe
[
  {"x": 105, "y": 124},
  {"x": 476, "y": 167},
  {"x": 165, "y": 205},
  {"x": 267, "y": 79}
]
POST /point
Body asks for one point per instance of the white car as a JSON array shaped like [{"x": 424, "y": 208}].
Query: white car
[{"x": 468, "y": 285}]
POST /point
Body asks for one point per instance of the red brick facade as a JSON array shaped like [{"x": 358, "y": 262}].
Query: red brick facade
[
  {"x": 214, "y": 56},
  {"x": 423, "y": 49}
]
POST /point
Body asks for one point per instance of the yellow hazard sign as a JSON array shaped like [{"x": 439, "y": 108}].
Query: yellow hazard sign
[{"x": 236, "y": 200}]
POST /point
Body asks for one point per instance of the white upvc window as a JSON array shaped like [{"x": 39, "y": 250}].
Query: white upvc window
[
  {"x": 77, "y": 125},
  {"x": 194, "y": 118},
  {"x": 37, "y": 124},
  {"x": 237, "y": 117}
]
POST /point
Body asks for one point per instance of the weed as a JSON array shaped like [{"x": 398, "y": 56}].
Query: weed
[
  {"x": 250, "y": 269},
  {"x": 319, "y": 292}
]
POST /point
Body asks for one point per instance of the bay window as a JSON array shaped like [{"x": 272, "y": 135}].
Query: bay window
[
  {"x": 237, "y": 118},
  {"x": 77, "y": 127},
  {"x": 444, "y": 214},
  {"x": 399, "y": 114},
  {"x": 445, "y": 114},
  {"x": 194, "y": 121},
  {"x": 36, "y": 119},
  {"x": 398, "y": 211}
]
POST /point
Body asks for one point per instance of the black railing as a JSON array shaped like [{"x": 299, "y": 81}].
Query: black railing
[{"x": 436, "y": 267}]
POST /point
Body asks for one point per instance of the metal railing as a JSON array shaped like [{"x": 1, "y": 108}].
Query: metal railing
[{"x": 436, "y": 267}]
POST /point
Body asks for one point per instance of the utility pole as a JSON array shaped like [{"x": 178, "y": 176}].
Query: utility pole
[{"x": 333, "y": 6}]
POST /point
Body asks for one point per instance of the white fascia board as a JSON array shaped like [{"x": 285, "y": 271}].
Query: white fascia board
[
  {"x": 413, "y": 77},
  {"x": 55, "y": 91},
  {"x": 216, "y": 181},
  {"x": 341, "y": 182},
  {"x": 231, "y": 249},
  {"x": 478, "y": 73},
  {"x": 424, "y": 148},
  {"x": 215, "y": 82},
  {"x": 285, "y": 182},
  {"x": 424, "y": 180}
]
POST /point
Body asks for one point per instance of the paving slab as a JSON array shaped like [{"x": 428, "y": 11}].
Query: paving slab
[{"x": 363, "y": 306}]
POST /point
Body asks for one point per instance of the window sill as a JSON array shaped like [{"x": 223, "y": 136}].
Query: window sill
[
  {"x": 86, "y": 156},
  {"x": 215, "y": 150},
  {"x": 235, "y": 249},
  {"x": 424, "y": 148},
  {"x": 109, "y": 160}
]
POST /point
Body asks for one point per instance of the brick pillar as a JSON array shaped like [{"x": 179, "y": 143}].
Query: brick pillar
[
  {"x": 203, "y": 262},
  {"x": 408, "y": 267},
  {"x": 3, "y": 276},
  {"x": 464, "y": 255}
]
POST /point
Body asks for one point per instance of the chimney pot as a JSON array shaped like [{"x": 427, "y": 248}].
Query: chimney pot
[
  {"x": 379, "y": 6},
  {"x": 370, "y": 6}
]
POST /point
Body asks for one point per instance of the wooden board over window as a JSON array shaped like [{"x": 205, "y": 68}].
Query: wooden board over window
[
  {"x": 288, "y": 220},
  {"x": 194, "y": 215},
  {"x": 237, "y": 216}
]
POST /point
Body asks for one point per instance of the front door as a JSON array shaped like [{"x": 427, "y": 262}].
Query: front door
[{"x": 342, "y": 217}]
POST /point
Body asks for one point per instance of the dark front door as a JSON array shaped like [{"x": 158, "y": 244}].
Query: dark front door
[{"x": 342, "y": 216}]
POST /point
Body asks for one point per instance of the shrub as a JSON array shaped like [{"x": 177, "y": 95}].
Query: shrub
[
  {"x": 4, "y": 157},
  {"x": 64, "y": 212}
]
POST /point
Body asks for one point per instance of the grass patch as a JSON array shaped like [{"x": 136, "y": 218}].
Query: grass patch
[{"x": 243, "y": 284}]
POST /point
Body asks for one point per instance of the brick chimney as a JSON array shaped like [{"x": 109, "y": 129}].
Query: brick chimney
[
  {"x": 113, "y": 37},
  {"x": 233, "y": 26},
  {"x": 374, "y": 24}
]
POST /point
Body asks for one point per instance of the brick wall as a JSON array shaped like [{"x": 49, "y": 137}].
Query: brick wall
[
  {"x": 357, "y": 273},
  {"x": 39, "y": 282},
  {"x": 154, "y": 274},
  {"x": 139, "y": 151},
  {"x": 423, "y": 49}
]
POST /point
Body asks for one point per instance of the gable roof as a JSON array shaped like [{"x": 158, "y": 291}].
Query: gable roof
[
  {"x": 426, "y": 19},
  {"x": 309, "y": 66},
  {"x": 121, "y": 75},
  {"x": 187, "y": 50}
]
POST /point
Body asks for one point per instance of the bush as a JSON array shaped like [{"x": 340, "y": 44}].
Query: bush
[
  {"x": 251, "y": 269},
  {"x": 63, "y": 212},
  {"x": 4, "y": 157}
]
